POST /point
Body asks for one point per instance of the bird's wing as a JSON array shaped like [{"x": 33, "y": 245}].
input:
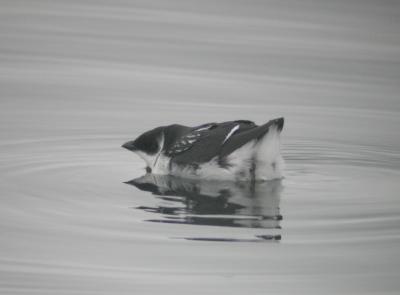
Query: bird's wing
[
  {"x": 184, "y": 143},
  {"x": 187, "y": 140},
  {"x": 206, "y": 141},
  {"x": 241, "y": 138}
]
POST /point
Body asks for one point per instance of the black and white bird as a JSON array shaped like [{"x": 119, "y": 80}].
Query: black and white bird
[{"x": 235, "y": 150}]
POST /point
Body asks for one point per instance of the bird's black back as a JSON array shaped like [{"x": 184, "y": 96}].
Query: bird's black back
[{"x": 201, "y": 144}]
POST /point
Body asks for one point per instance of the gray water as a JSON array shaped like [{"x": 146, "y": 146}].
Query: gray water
[{"x": 79, "y": 78}]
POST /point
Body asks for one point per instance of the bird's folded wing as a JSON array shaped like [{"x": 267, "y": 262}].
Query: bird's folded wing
[
  {"x": 184, "y": 143},
  {"x": 203, "y": 144}
]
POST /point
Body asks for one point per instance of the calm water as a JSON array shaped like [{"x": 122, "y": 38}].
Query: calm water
[{"x": 79, "y": 78}]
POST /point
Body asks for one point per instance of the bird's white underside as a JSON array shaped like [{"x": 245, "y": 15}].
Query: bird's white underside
[{"x": 263, "y": 155}]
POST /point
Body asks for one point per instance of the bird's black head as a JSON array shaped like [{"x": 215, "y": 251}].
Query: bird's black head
[
  {"x": 147, "y": 145},
  {"x": 148, "y": 142}
]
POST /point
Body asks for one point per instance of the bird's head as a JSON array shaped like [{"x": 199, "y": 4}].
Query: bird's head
[{"x": 148, "y": 146}]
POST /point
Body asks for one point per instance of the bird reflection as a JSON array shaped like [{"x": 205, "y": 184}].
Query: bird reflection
[{"x": 204, "y": 202}]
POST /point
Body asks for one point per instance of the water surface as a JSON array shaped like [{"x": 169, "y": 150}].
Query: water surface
[{"x": 79, "y": 78}]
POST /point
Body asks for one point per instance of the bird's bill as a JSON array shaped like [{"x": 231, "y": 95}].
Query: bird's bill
[{"x": 130, "y": 145}]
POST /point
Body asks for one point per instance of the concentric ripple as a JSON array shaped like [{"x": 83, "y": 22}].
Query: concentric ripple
[{"x": 55, "y": 172}]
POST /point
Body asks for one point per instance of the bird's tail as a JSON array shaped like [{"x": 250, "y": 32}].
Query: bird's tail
[{"x": 270, "y": 164}]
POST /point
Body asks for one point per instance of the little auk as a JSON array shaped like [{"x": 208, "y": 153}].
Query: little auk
[{"x": 235, "y": 150}]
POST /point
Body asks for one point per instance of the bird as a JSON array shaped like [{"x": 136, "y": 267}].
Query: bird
[{"x": 234, "y": 150}]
